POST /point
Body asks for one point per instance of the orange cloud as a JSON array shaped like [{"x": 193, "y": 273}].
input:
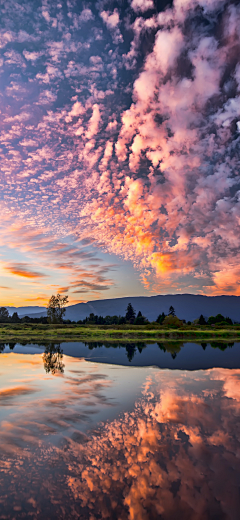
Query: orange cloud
[{"x": 20, "y": 269}]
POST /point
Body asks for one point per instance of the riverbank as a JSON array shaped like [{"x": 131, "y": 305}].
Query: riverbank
[{"x": 58, "y": 333}]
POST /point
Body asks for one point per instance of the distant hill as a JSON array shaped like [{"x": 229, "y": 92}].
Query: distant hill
[
  {"x": 187, "y": 306},
  {"x": 24, "y": 311}
]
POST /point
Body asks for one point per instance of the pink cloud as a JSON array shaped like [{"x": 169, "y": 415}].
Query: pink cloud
[{"x": 142, "y": 5}]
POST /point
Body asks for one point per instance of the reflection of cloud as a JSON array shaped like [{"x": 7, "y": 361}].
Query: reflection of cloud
[
  {"x": 158, "y": 461},
  {"x": 73, "y": 398},
  {"x": 165, "y": 458},
  {"x": 16, "y": 391},
  {"x": 231, "y": 384}
]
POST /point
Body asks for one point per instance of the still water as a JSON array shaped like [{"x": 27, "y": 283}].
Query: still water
[{"x": 84, "y": 437}]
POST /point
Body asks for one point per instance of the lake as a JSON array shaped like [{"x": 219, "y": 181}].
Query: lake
[{"x": 129, "y": 431}]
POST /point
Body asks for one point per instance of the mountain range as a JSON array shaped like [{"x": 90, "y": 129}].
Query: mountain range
[{"x": 187, "y": 306}]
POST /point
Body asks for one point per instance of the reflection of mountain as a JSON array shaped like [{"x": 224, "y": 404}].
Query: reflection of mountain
[{"x": 52, "y": 359}]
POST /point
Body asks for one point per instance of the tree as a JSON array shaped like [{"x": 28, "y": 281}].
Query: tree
[
  {"x": 15, "y": 318},
  {"x": 121, "y": 320},
  {"x": 160, "y": 318},
  {"x": 140, "y": 319},
  {"x": 130, "y": 314},
  {"x": 4, "y": 314},
  {"x": 172, "y": 321},
  {"x": 171, "y": 311},
  {"x": 219, "y": 319},
  {"x": 56, "y": 308},
  {"x": 202, "y": 320}
]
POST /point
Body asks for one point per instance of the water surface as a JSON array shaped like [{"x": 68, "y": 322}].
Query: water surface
[
  {"x": 91, "y": 440},
  {"x": 173, "y": 355}
]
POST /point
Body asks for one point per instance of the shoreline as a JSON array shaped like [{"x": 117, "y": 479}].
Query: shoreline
[{"x": 16, "y": 333}]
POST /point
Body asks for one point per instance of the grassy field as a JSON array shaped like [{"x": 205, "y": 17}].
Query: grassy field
[{"x": 151, "y": 333}]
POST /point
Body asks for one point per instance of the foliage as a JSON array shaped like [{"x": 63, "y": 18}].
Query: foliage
[
  {"x": 4, "y": 314},
  {"x": 94, "y": 319},
  {"x": 219, "y": 319},
  {"x": 56, "y": 308},
  {"x": 27, "y": 319},
  {"x": 172, "y": 321}
]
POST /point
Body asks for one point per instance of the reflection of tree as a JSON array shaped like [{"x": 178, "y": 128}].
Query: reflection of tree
[
  {"x": 52, "y": 359},
  {"x": 218, "y": 344},
  {"x": 2, "y": 347},
  {"x": 131, "y": 349},
  {"x": 94, "y": 344},
  {"x": 172, "y": 347},
  {"x": 140, "y": 347},
  {"x": 161, "y": 346},
  {"x": 11, "y": 345},
  {"x": 204, "y": 346}
]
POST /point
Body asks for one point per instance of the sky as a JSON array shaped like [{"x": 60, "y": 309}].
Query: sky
[{"x": 119, "y": 145}]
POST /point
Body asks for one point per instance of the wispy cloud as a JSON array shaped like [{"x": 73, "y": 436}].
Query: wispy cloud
[{"x": 23, "y": 270}]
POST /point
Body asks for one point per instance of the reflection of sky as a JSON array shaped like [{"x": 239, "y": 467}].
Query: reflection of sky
[
  {"x": 109, "y": 442},
  {"x": 88, "y": 389}
]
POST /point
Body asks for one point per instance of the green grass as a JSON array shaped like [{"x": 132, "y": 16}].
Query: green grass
[{"x": 39, "y": 332}]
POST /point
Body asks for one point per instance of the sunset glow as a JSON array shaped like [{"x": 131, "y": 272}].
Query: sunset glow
[{"x": 119, "y": 145}]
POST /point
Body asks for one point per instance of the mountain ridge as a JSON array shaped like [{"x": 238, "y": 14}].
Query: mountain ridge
[{"x": 187, "y": 306}]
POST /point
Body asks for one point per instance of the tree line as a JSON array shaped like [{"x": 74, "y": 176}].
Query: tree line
[{"x": 56, "y": 310}]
